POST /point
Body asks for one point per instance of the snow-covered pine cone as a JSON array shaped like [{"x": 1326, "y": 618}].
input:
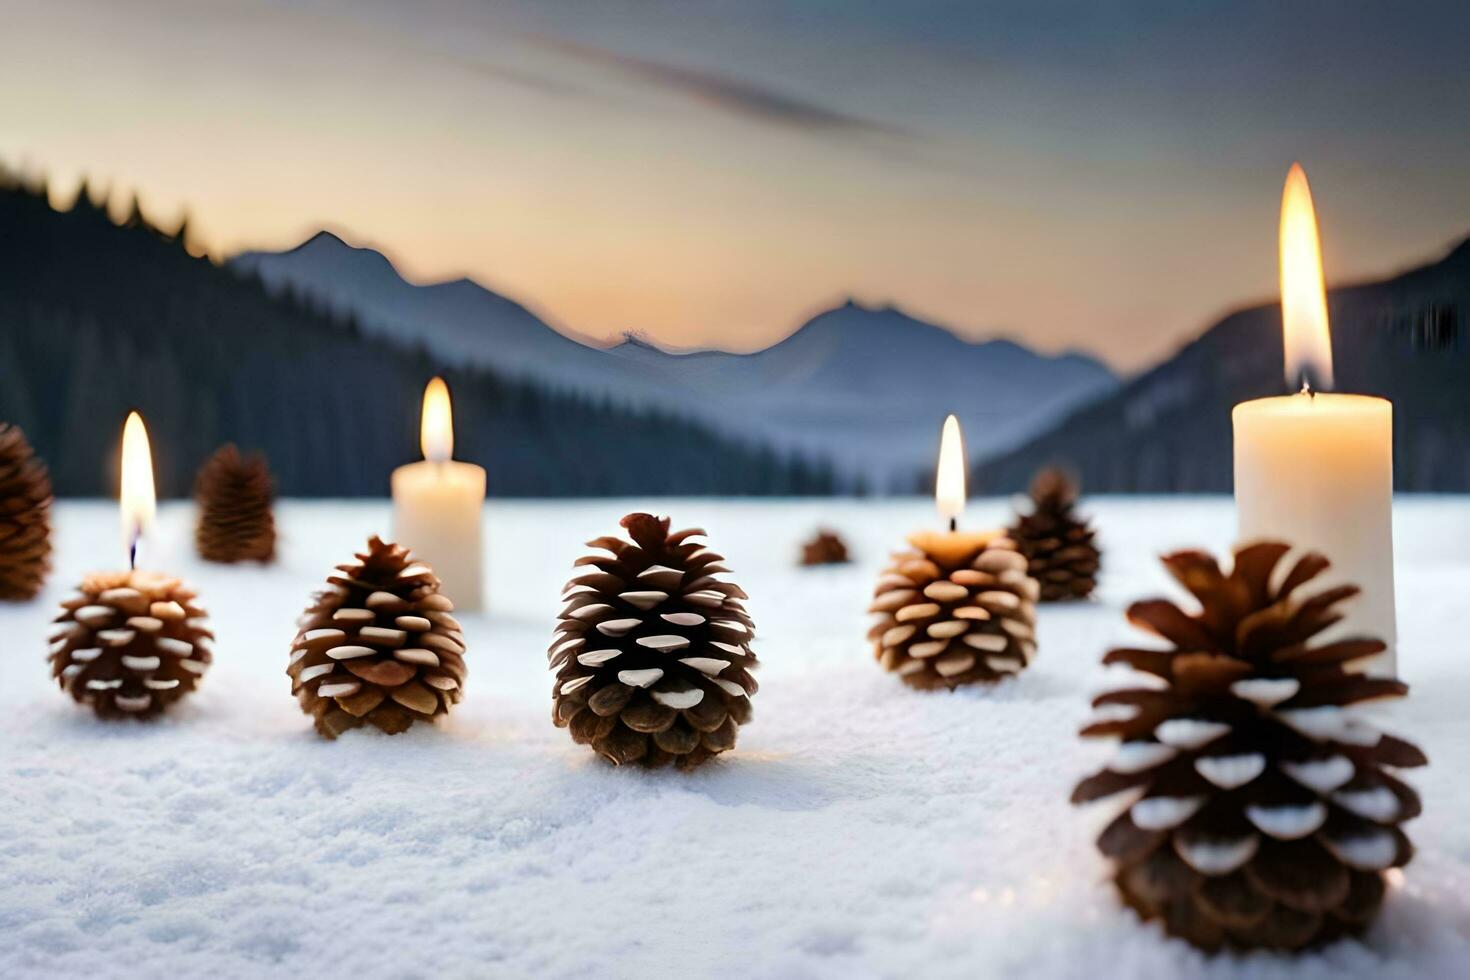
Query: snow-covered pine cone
[
  {"x": 130, "y": 644},
  {"x": 825, "y": 548},
  {"x": 378, "y": 646},
  {"x": 652, "y": 652},
  {"x": 234, "y": 494},
  {"x": 946, "y": 626},
  {"x": 1263, "y": 813},
  {"x": 1058, "y": 544},
  {"x": 25, "y": 517}
]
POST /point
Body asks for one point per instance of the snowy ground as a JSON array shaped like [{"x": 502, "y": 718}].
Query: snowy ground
[{"x": 859, "y": 829}]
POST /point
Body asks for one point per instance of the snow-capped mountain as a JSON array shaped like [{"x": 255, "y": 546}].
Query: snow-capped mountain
[{"x": 867, "y": 387}]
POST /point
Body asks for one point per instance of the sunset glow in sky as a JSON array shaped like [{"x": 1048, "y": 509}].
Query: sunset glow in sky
[{"x": 1095, "y": 175}]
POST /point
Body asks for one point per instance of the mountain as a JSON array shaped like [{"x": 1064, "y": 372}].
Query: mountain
[
  {"x": 1406, "y": 338},
  {"x": 866, "y": 387},
  {"x": 459, "y": 321},
  {"x": 869, "y": 387},
  {"x": 97, "y": 318}
]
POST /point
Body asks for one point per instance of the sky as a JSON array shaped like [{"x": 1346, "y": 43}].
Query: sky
[{"x": 1096, "y": 175}]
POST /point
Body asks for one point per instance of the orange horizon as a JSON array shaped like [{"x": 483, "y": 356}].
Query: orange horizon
[{"x": 707, "y": 193}]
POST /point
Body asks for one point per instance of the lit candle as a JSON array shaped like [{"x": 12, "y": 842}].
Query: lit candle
[
  {"x": 137, "y": 500},
  {"x": 959, "y": 608},
  {"x": 129, "y": 644},
  {"x": 437, "y": 505},
  {"x": 1315, "y": 469},
  {"x": 952, "y": 547}
]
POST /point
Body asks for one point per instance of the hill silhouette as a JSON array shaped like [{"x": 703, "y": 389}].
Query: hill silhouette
[
  {"x": 865, "y": 386},
  {"x": 1406, "y": 338},
  {"x": 98, "y": 317}
]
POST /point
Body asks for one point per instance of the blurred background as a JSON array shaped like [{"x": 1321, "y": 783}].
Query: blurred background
[{"x": 715, "y": 247}]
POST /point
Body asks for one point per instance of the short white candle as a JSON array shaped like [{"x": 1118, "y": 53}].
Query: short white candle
[
  {"x": 1315, "y": 470},
  {"x": 438, "y": 504}
]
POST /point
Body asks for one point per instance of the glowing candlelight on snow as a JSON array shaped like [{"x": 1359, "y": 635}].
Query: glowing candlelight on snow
[
  {"x": 437, "y": 504},
  {"x": 138, "y": 503},
  {"x": 960, "y": 608},
  {"x": 1315, "y": 469},
  {"x": 951, "y": 547},
  {"x": 129, "y": 644}
]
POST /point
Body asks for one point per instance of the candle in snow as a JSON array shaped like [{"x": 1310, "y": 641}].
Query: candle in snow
[
  {"x": 437, "y": 505},
  {"x": 952, "y": 547},
  {"x": 128, "y": 644},
  {"x": 1315, "y": 469}
]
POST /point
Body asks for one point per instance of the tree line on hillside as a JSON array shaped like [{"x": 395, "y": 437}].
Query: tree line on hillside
[
  {"x": 99, "y": 316},
  {"x": 1168, "y": 430}
]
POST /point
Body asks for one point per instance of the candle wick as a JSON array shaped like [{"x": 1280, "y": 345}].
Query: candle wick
[
  {"x": 1307, "y": 388},
  {"x": 133, "y": 554},
  {"x": 954, "y": 524}
]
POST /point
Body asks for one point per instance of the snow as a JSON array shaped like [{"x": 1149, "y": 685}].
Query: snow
[{"x": 859, "y": 829}]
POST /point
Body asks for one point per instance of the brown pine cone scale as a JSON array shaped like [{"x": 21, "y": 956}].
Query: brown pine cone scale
[
  {"x": 1263, "y": 812},
  {"x": 652, "y": 651},
  {"x": 825, "y": 548},
  {"x": 379, "y": 646},
  {"x": 234, "y": 494},
  {"x": 1059, "y": 545},
  {"x": 25, "y": 517},
  {"x": 129, "y": 644},
  {"x": 940, "y": 626}
]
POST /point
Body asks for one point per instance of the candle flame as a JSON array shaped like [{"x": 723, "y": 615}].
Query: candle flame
[
  {"x": 949, "y": 483},
  {"x": 136, "y": 498},
  {"x": 436, "y": 430},
  {"x": 1308, "y": 342}
]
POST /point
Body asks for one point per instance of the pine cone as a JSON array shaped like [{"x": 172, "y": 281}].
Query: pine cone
[
  {"x": 130, "y": 644},
  {"x": 943, "y": 625},
  {"x": 234, "y": 494},
  {"x": 1264, "y": 814},
  {"x": 1058, "y": 544},
  {"x": 379, "y": 646},
  {"x": 25, "y": 517},
  {"x": 652, "y": 655},
  {"x": 825, "y": 548}
]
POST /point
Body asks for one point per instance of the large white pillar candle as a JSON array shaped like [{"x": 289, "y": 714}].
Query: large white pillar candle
[
  {"x": 438, "y": 504},
  {"x": 1315, "y": 470}
]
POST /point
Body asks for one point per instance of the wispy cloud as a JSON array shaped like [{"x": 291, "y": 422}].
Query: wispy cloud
[
  {"x": 510, "y": 76},
  {"x": 737, "y": 96},
  {"x": 406, "y": 45}
]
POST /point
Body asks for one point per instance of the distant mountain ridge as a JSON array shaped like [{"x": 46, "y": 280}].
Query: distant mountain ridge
[
  {"x": 1406, "y": 338},
  {"x": 363, "y": 281},
  {"x": 97, "y": 318},
  {"x": 866, "y": 383},
  {"x": 864, "y": 386}
]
